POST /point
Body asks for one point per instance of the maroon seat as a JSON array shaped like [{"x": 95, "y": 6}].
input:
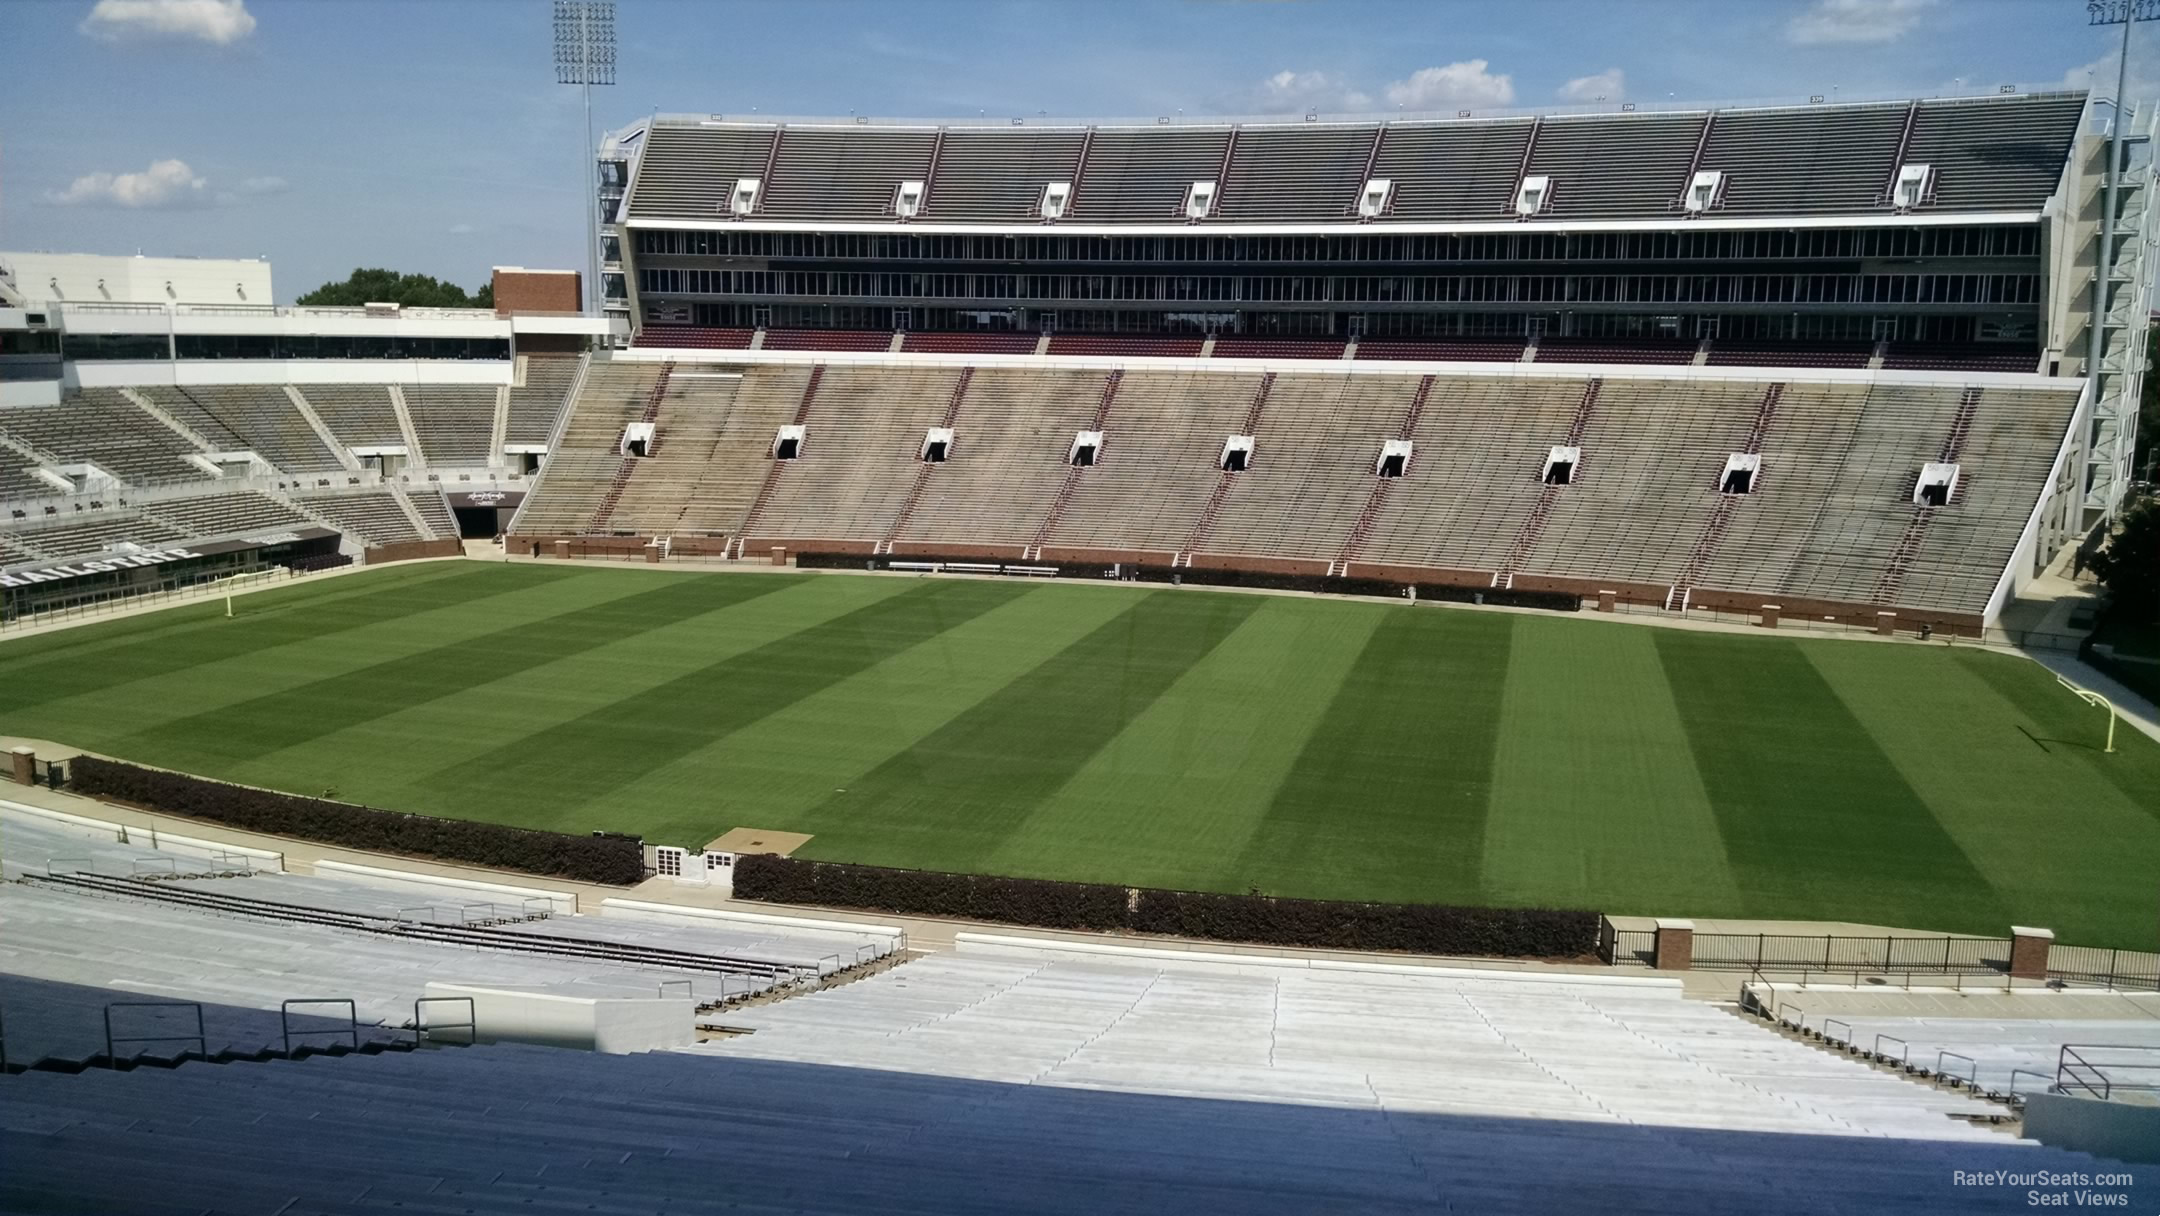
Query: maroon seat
[
  {"x": 1444, "y": 350},
  {"x": 1576, "y": 350},
  {"x": 1278, "y": 348},
  {"x": 1138, "y": 345},
  {"x": 828, "y": 339},
  {"x": 1948, "y": 357},
  {"x": 971, "y": 343},
  {"x": 700, "y": 336},
  {"x": 1791, "y": 354}
]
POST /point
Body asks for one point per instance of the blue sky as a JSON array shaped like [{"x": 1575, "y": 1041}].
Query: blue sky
[{"x": 429, "y": 135}]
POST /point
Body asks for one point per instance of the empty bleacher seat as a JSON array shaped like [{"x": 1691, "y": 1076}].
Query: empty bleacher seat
[
  {"x": 828, "y": 339},
  {"x": 1278, "y": 348},
  {"x": 701, "y": 337}
]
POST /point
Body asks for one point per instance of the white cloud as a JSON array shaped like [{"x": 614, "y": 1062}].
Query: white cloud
[
  {"x": 1466, "y": 84},
  {"x": 462, "y": 229},
  {"x": 166, "y": 184},
  {"x": 2099, "y": 76},
  {"x": 265, "y": 185},
  {"x": 223, "y": 22},
  {"x": 1287, "y": 90},
  {"x": 1839, "y": 21},
  {"x": 1608, "y": 85}
]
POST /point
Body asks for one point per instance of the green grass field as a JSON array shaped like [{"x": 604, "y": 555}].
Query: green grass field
[{"x": 1153, "y": 736}]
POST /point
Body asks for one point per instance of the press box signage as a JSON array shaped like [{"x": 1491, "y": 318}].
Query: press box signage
[{"x": 102, "y": 565}]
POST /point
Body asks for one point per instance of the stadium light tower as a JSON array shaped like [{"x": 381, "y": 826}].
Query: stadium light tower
[
  {"x": 2124, "y": 13},
  {"x": 585, "y": 56}
]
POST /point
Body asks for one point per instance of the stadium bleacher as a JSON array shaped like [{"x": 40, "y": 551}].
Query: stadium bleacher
[
  {"x": 1827, "y": 520},
  {"x": 257, "y": 418},
  {"x": 428, "y": 502},
  {"x": 226, "y": 514},
  {"x": 1003, "y": 1078},
  {"x": 536, "y": 403},
  {"x": 104, "y": 428},
  {"x": 1990, "y": 152},
  {"x": 358, "y": 414},
  {"x": 453, "y": 422},
  {"x": 374, "y": 515}
]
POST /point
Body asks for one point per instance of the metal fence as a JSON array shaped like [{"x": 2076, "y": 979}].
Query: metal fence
[
  {"x": 1944, "y": 954},
  {"x": 1832, "y": 952},
  {"x": 2137, "y": 970}
]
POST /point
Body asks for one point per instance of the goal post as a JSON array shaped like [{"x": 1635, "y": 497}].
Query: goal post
[{"x": 2090, "y": 697}]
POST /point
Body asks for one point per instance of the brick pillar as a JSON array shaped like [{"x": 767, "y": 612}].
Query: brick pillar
[
  {"x": 1770, "y": 616},
  {"x": 1886, "y": 623},
  {"x": 652, "y": 553},
  {"x": 25, "y": 770},
  {"x": 2029, "y": 952},
  {"x": 562, "y": 549},
  {"x": 1675, "y": 945},
  {"x": 1606, "y": 600},
  {"x": 779, "y": 555}
]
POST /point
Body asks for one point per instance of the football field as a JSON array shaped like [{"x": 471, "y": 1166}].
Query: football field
[{"x": 1153, "y": 736}]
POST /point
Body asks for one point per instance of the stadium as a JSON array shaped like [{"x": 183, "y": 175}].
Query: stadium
[{"x": 1494, "y": 661}]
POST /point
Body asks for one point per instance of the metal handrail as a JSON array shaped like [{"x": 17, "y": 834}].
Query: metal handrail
[
  {"x": 112, "y": 1058},
  {"x": 2016, "y": 1072},
  {"x": 687, "y": 985},
  {"x": 471, "y": 1024},
  {"x": 135, "y": 865},
  {"x": 1827, "y": 1023},
  {"x": 1905, "y": 1048},
  {"x": 352, "y": 1018},
  {"x": 1972, "y": 1069},
  {"x": 2072, "y": 1058}
]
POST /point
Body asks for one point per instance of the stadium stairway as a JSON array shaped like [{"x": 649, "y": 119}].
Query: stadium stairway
[{"x": 629, "y": 465}]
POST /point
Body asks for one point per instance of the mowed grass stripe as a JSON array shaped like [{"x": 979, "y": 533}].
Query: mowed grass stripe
[
  {"x": 140, "y": 648},
  {"x": 1975, "y": 758},
  {"x": 1595, "y": 799},
  {"x": 269, "y": 723},
  {"x": 617, "y": 742},
  {"x": 1389, "y": 796},
  {"x": 772, "y": 772},
  {"x": 441, "y": 734},
  {"x": 949, "y": 801},
  {"x": 2070, "y": 728},
  {"x": 1172, "y": 800},
  {"x": 1817, "y": 821},
  {"x": 201, "y": 693}
]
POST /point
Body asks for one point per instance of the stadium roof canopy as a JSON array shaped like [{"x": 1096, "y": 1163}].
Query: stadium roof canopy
[{"x": 1963, "y": 157}]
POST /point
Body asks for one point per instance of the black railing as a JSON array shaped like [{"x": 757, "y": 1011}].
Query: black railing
[
  {"x": 1827, "y": 954},
  {"x": 2134, "y": 969},
  {"x": 2107, "y": 1070},
  {"x": 1832, "y": 952},
  {"x": 422, "y": 1028},
  {"x": 202, "y": 1043},
  {"x": 351, "y": 1027}
]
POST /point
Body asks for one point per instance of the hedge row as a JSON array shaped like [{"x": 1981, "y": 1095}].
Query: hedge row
[
  {"x": 602, "y": 858},
  {"x": 1020, "y": 901},
  {"x": 1259, "y": 919}
]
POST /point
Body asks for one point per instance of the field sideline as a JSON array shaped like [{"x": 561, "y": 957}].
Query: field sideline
[{"x": 1153, "y": 736}]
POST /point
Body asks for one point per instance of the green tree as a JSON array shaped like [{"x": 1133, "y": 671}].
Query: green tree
[
  {"x": 2148, "y": 433},
  {"x": 2130, "y": 564},
  {"x": 378, "y": 286}
]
